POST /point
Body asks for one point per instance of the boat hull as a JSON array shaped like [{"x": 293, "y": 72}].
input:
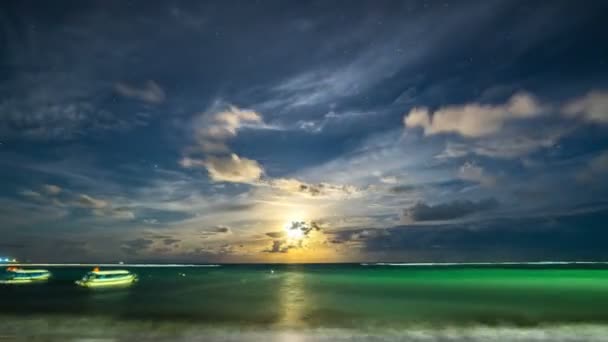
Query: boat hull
[
  {"x": 27, "y": 279},
  {"x": 122, "y": 281}
]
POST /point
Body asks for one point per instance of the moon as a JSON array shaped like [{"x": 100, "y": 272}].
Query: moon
[{"x": 293, "y": 233}]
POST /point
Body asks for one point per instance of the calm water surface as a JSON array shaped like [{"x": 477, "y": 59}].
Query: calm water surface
[{"x": 316, "y": 302}]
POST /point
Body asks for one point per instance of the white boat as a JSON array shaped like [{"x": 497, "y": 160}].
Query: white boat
[
  {"x": 16, "y": 275},
  {"x": 97, "y": 278}
]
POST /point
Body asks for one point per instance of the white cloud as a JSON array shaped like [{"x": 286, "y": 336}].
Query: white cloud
[
  {"x": 90, "y": 202},
  {"x": 150, "y": 93},
  {"x": 231, "y": 168},
  {"x": 474, "y": 119},
  {"x": 508, "y": 145},
  {"x": 389, "y": 180},
  {"x": 30, "y": 194},
  {"x": 319, "y": 190},
  {"x": 212, "y": 131},
  {"x": 474, "y": 173},
  {"x": 51, "y": 189},
  {"x": 591, "y": 107}
]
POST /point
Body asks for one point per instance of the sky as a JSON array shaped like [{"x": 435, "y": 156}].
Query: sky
[{"x": 303, "y": 131}]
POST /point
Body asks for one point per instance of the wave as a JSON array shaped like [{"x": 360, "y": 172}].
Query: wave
[{"x": 54, "y": 328}]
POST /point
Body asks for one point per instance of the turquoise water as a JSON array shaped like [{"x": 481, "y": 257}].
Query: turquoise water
[{"x": 316, "y": 302}]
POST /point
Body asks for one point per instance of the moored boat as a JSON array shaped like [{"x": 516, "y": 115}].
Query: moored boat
[
  {"x": 107, "y": 278},
  {"x": 16, "y": 275}
]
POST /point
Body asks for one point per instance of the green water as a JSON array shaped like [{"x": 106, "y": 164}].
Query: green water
[{"x": 304, "y": 298}]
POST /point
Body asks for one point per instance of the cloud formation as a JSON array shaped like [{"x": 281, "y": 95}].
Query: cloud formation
[
  {"x": 282, "y": 243},
  {"x": 120, "y": 213},
  {"x": 597, "y": 169},
  {"x": 211, "y": 134},
  {"x": 150, "y": 92},
  {"x": 91, "y": 202},
  {"x": 474, "y": 173},
  {"x": 448, "y": 211},
  {"x": 474, "y": 119},
  {"x": 279, "y": 246},
  {"x": 230, "y": 168},
  {"x": 51, "y": 189},
  {"x": 136, "y": 246},
  {"x": 592, "y": 107},
  {"x": 319, "y": 190},
  {"x": 218, "y": 230},
  {"x": 212, "y": 131}
]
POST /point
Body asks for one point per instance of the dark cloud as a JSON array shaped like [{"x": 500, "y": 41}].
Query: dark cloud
[
  {"x": 447, "y": 211},
  {"x": 564, "y": 237},
  {"x": 229, "y": 207},
  {"x": 400, "y": 189},
  {"x": 136, "y": 246},
  {"x": 217, "y": 230},
  {"x": 356, "y": 235},
  {"x": 279, "y": 246},
  {"x": 276, "y": 235},
  {"x": 171, "y": 241},
  {"x": 305, "y": 227},
  {"x": 221, "y": 229}
]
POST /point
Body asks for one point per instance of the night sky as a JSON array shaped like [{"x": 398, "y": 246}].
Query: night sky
[{"x": 303, "y": 131}]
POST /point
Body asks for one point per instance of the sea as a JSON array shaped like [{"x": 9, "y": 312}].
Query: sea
[{"x": 329, "y": 302}]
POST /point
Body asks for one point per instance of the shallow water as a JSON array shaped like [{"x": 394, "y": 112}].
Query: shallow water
[{"x": 318, "y": 302}]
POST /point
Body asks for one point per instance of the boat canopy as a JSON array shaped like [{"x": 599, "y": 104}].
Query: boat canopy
[{"x": 111, "y": 272}]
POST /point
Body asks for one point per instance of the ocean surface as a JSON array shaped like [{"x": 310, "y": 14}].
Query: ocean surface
[{"x": 514, "y": 302}]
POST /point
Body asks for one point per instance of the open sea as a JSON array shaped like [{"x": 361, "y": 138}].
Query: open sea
[{"x": 340, "y": 302}]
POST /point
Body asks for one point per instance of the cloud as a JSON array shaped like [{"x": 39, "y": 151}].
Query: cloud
[
  {"x": 279, "y": 246},
  {"x": 221, "y": 229},
  {"x": 150, "y": 92},
  {"x": 401, "y": 189},
  {"x": 304, "y": 227},
  {"x": 509, "y": 145},
  {"x": 217, "y": 230},
  {"x": 121, "y": 213},
  {"x": 474, "y": 119},
  {"x": 211, "y": 132},
  {"x": 276, "y": 235},
  {"x": 389, "y": 180},
  {"x": 324, "y": 190},
  {"x": 281, "y": 242},
  {"x": 230, "y": 168},
  {"x": 356, "y": 236},
  {"x": 55, "y": 120},
  {"x": 90, "y": 202},
  {"x": 31, "y": 194},
  {"x": 592, "y": 107},
  {"x": 51, "y": 189},
  {"x": 471, "y": 172},
  {"x": 136, "y": 246},
  {"x": 597, "y": 169},
  {"x": 49, "y": 196},
  {"x": 170, "y": 241},
  {"x": 447, "y": 211}
]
